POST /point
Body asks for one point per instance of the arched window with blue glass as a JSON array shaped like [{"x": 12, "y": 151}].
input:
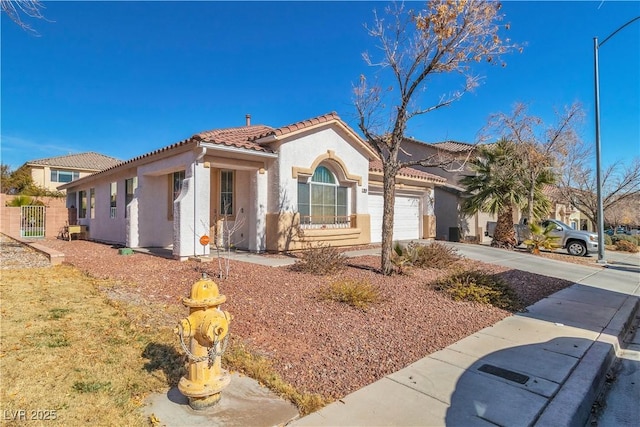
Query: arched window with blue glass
[{"x": 322, "y": 201}]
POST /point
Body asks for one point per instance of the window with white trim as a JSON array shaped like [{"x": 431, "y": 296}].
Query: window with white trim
[
  {"x": 130, "y": 186},
  {"x": 113, "y": 200},
  {"x": 82, "y": 212},
  {"x": 59, "y": 175},
  {"x": 175, "y": 188},
  {"x": 92, "y": 202},
  {"x": 226, "y": 192},
  {"x": 323, "y": 201}
]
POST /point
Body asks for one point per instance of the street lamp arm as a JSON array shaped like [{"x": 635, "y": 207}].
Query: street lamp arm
[{"x": 616, "y": 31}]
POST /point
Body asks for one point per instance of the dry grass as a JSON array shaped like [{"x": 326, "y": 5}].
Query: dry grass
[
  {"x": 261, "y": 369},
  {"x": 66, "y": 348},
  {"x": 356, "y": 293}
]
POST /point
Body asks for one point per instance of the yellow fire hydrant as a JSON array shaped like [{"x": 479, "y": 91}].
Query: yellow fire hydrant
[{"x": 207, "y": 328}]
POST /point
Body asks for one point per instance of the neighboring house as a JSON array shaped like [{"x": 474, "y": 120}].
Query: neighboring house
[
  {"x": 253, "y": 187},
  {"x": 52, "y": 172},
  {"x": 563, "y": 210},
  {"x": 452, "y": 223}
]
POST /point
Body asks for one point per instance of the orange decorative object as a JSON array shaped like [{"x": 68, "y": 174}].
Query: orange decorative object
[{"x": 204, "y": 240}]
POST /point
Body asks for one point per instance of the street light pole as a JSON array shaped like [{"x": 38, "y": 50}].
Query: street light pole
[{"x": 600, "y": 212}]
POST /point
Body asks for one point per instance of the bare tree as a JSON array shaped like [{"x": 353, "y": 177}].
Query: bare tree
[
  {"x": 542, "y": 149},
  {"x": 416, "y": 46},
  {"x": 625, "y": 212},
  {"x": 620, "y": 184},
  {"x": 16, "y": 8}
]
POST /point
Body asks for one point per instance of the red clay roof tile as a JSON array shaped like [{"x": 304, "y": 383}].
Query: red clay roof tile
[
  {"x": 376, "y": 166},
  {"x": 299, "y": 125},
  {"x": 239, "y": 137},
  {"x": 89, "y": 161}
]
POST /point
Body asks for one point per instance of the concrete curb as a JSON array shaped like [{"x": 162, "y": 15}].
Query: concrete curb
[
  {"x": 55, "y": 257},
  {"x": 587, "y": 379}
]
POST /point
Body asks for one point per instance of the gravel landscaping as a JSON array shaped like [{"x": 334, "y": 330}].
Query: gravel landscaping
[{"x": 318, "y": 346}]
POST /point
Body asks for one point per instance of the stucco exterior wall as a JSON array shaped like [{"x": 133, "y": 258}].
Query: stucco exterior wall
[
  {"x": 304, "y": 151},
  {"x": 155, "y": 228},
  {"x": 297, "y": 160},
  {"x": 258, "y": 212},
  {"x": 284, "y": 233},
  {"x": 56, "y": 216},
  {"x": 102, "y": 227},
  {"x": 41, "y": 176}
]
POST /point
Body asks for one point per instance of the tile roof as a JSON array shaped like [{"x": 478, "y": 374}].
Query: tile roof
[
  {"x": 89, "y": 161},
  {"x": 376, "y": 166},
  {"x": 553, "y": 192},
  {"x": 239, "y": 137},
  {"x": 300, "y": 125},
  {"x": 453, "y": 146}
]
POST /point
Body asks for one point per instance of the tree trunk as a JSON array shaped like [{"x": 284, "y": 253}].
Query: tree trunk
[
  {"x": 504, "y": 235},
  {"x": 530, "y": 200},
  {"x": 389, "y": 199}
]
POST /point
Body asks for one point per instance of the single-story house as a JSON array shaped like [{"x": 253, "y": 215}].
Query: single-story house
[
  {"x": 51, "y": 172},
  {"x": 253, "y": 187}
]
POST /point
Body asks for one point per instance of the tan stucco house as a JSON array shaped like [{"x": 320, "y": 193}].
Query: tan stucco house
[
  {"x": 452, "y": 224},
  {"x": 52, "y": 172},
  {"x": 255, "y": 187}
]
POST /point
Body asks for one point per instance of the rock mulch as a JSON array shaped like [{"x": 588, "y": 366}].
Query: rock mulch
[{"x": 317, "y": 346}]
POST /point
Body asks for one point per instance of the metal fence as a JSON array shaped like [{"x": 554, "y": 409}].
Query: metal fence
[
  {"x": 32, "y": 220},
  {"x": 320, "y": 222}
]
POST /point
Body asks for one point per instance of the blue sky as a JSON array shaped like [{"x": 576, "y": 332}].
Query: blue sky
[{"x": 125, "y": 78}]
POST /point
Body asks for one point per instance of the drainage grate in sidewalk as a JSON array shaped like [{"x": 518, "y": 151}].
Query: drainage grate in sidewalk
[{"x": 504, "y": 373}]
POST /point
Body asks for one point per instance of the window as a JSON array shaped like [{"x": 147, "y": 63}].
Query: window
[
  {"x": 58, "y": 175},
  {"x": 92, "y": 202},
  {"x": 130, "y": 186},
  {"x": 323, "y": 201},
  {"x": 226, "y": 192},
  {"x": 82, "y": 212},
  {"x": 175, "y": 187},
  {"x": 114, "y": 193}
]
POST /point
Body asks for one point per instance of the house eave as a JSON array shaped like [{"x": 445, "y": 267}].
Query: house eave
[
  {"x": 236, "y": 150},
  {"x": 162, "y": 153}
]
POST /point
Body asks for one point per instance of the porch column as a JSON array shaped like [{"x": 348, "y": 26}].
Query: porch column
[
  {"x": 191, "y": 213},
  {"x": 258, "y": 211}
]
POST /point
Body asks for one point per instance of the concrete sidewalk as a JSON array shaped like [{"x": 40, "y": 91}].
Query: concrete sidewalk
[{"x": 543, "y": 367}]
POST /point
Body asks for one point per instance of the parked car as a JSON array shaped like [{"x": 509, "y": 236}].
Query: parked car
[{"x": 576, "y": 242}]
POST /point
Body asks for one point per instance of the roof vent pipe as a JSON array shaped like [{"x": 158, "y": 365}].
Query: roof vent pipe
[{"x": 248, "y": 117}]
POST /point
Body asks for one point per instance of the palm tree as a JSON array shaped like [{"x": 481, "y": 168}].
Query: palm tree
[{"x": 496, "y": 187}]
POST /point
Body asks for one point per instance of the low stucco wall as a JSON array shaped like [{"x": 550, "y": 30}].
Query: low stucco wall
[
  {"x": 284, "y": 234},
  {"x": 56, "y": 213}
]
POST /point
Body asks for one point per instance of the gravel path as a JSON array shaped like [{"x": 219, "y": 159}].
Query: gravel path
[
  {"x": 317, "y": 346},
  {"x": 16, "y": 255}
]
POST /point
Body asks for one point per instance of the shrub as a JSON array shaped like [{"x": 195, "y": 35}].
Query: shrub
[
  {"x": 540, "y": 238},
  {"x": 607, "y": 240},
  {"x": 321, "y": 260},
  {"x": 358, "y": 294},
  {"x": 476, "y": 286},
  {"x": 627, "y": 246},
  {"x": 622, "y": 237},
  {"x": 434, "y": 255}
]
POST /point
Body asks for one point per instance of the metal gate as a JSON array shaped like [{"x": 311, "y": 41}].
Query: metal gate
[{"x": 32, "y": 220}]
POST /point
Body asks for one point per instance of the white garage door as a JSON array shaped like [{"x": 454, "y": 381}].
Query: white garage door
[{"x": 406, "y": 218}]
